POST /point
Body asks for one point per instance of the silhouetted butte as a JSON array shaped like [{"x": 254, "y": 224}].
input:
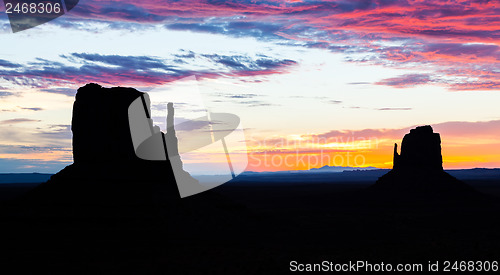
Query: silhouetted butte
[
  {"x": 418, "y": 172},
  {"x": 106, "y": 169}
]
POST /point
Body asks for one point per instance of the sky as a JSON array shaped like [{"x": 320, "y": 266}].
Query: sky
[{"x": 314, "y": 82}]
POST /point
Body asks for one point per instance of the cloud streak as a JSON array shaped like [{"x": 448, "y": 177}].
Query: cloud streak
[
  {"x": 80, "y": 68},
  {"x": 17, "y": 121},
  {"x": 406, "y": 81},
  {"x": 31, "y": 108}
]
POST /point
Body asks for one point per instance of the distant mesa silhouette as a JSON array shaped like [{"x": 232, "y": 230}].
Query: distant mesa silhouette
[
  {"x": 418, "y": 170},
  {"x": 106, "y": 168}
]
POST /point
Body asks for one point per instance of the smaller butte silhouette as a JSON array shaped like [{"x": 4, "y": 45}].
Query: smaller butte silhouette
[{"x": 418, "y": 170}]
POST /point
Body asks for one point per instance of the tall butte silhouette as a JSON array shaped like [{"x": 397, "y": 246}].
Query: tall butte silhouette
[
  {"x": 106, "y": 170},
  {"x": 418, "y": 173}
]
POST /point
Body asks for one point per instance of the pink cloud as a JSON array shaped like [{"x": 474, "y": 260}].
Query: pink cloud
[{"x": 445, "y": 34}]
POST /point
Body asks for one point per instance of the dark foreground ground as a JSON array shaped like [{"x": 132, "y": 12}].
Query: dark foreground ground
[{"x": 247, "y": 228}]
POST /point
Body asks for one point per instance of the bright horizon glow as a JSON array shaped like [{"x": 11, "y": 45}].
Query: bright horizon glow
[{"x": 291, "y": 71}]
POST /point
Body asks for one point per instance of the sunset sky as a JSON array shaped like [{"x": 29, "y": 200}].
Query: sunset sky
[{"x": 314, "y": 82}]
